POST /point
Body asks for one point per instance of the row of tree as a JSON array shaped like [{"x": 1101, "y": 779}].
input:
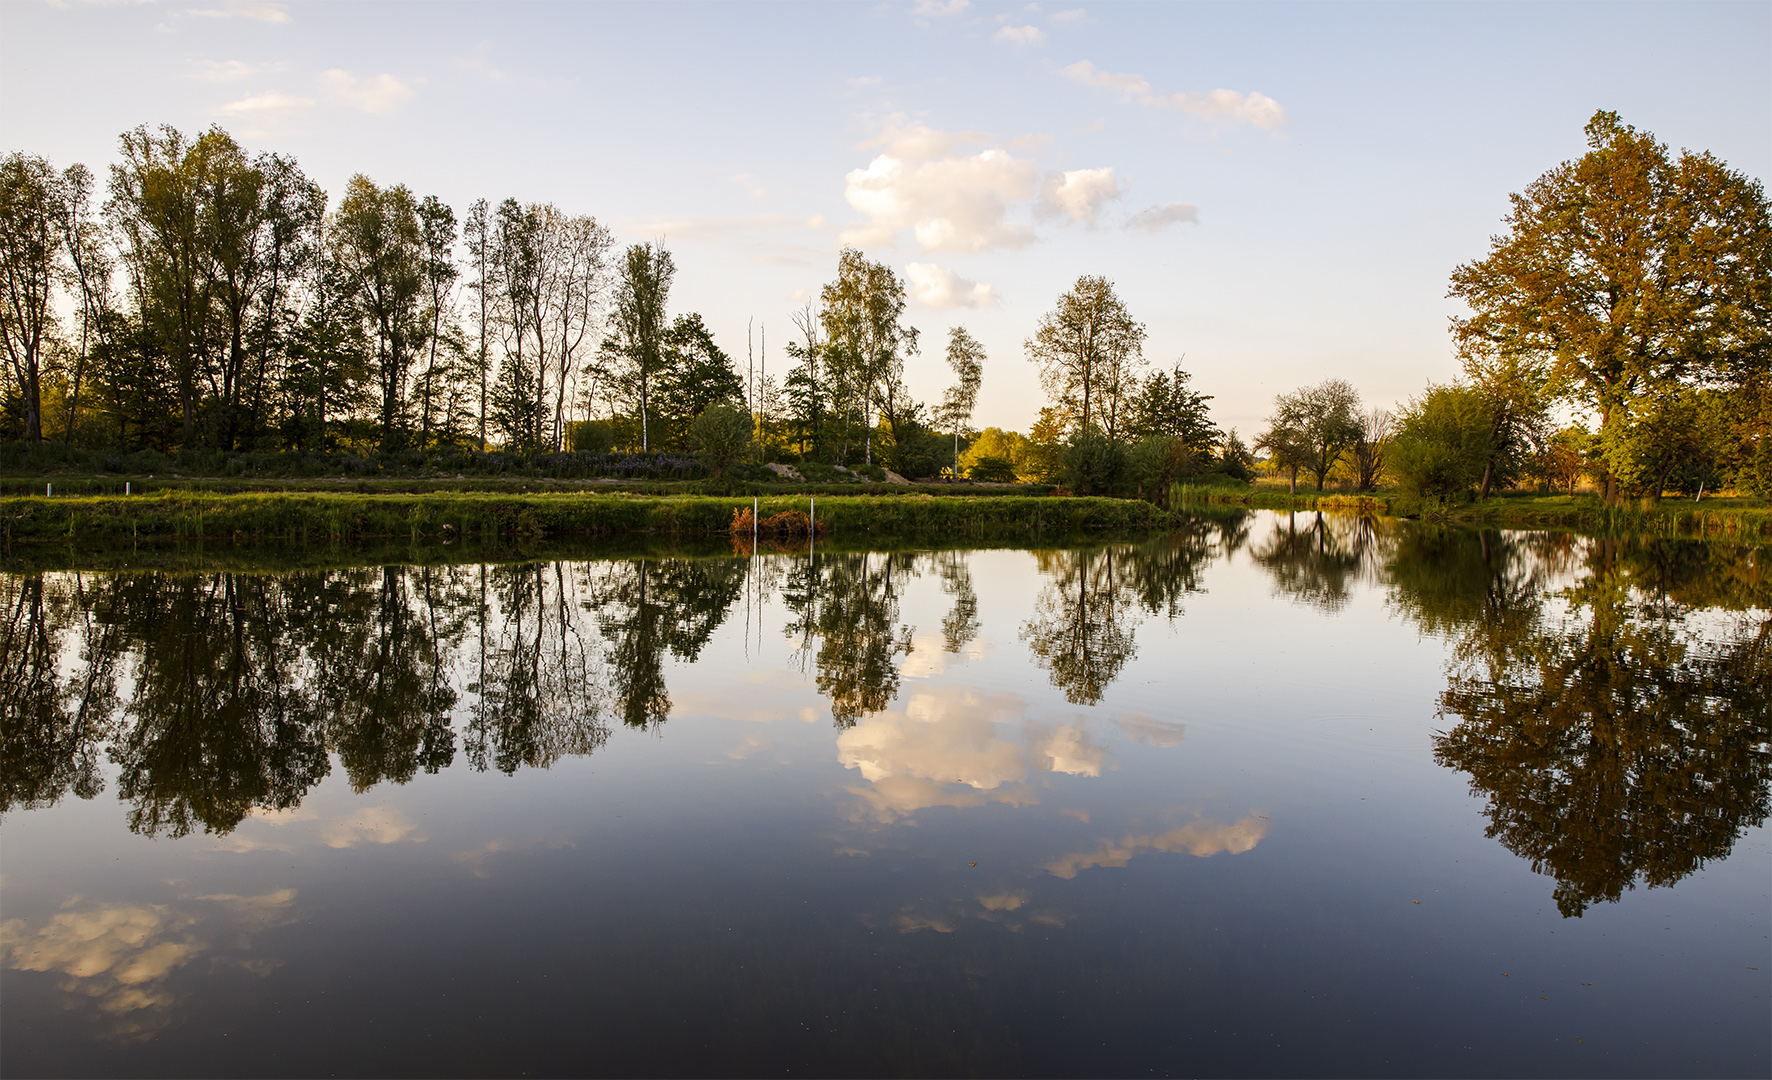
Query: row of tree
[{"x": 213, "y": 299}]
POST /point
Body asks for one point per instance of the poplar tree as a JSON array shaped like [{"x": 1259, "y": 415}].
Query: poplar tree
[{"x": 966, "y": 357}]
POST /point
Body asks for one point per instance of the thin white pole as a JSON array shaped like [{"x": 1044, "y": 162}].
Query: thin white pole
[
  {"x": 48, "y": 490},
  {"x": 754, "y": 526},
  {"x": 125, "y": 487}
]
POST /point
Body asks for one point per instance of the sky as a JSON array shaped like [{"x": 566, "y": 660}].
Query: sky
[{"x": 1278, "y": 192}]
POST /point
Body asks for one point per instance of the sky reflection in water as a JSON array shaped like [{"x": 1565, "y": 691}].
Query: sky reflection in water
[{"x": 1274, "y": 794}]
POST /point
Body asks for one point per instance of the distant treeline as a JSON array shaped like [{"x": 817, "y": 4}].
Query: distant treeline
[{"x": 211, "y": 304}]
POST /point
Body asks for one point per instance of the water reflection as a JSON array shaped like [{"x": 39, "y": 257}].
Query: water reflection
[
  {"x": 1608, "y": 699},
  {"x": 1619, "y": 736}
]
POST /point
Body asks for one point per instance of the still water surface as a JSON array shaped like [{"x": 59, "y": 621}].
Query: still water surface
[{"x": 1273, "y": 795}]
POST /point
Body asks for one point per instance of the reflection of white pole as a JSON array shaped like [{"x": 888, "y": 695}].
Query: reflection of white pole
[
  {"x": 753, "y": 526},
  {"x": 812, "y": 527}
]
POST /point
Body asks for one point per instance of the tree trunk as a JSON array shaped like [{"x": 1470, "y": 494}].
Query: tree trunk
[
  {"x": 1294, "y": 481},
  {"x": 1488, "y": 475}
]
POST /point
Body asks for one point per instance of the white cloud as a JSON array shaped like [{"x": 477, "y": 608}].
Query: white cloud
[
  {"x": 939, "y": 287},
  {"x": 261, "y": 104},
  {"x": 1131, "y": 87},
  {"x": 369, "y": 93},
  {"x": 864, "y": 80},
  {"x": 244, "y": 9},
  {"x": 1071, "y": 16},
  {"x": 1214, "y": 106},
  {"x": 1201, "y": 838},
  {"x": 1020, "y": 36},
  {"x": 949, "y": 200},
  {"x": 1154, "y": 219},
  {"x": 940, "y": 9},
  {"x": 370, "y": 825},
  {"x": 1077, "y": 195},
  {"x": 222, "y": 71}
]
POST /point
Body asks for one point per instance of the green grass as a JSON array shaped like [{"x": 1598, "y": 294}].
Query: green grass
[
  {"x": 305, "y": 518},
  {"x": 1682, "y": 517}
]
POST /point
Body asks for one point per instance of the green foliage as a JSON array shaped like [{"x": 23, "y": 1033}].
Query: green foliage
[
  {"x": 695, "y": 372},
  {"x": 992, "y": 470},
  {"x": 1156, "y": 462},
  {"x": 1632, "y": 276},
  {"x": 1166, "y": 406},
  {"x": 1088, "y": 349},
  {"x": 1093, "y": 463},
  {"x": 1444, "y": 438},
  {"x": 722, "y": 434}
]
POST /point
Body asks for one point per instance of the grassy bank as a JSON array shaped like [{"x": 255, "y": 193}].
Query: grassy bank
[
  {"x": 1682, "y": 517},
  {"x": 305, "y": 518}
]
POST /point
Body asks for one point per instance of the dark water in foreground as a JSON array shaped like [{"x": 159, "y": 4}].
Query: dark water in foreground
[{"x": 1270, "y": 796}]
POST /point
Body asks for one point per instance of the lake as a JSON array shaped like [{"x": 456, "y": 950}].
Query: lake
[{"x": 1271, "y": 795}]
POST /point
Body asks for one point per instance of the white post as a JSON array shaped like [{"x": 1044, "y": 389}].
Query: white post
[
  {"x": 125, "y": 487},
  {"x": 48, "y": 490}
]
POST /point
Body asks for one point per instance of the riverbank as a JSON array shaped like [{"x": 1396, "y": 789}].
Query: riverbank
[
  {"x": 1716, "y": 517},
  {"x": 99, "y": 521}
]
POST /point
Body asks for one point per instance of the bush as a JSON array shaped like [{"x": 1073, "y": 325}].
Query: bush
[
  {"x": 721, "y": 434},
  {"x": 1094, "y": 464},
  {"x": 1443, "y": 439},
  {"x": 992, "y": 470}
]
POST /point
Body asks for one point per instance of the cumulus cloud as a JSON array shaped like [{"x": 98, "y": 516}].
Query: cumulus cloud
[
  {"x": 1214, "y": 106},
  {"x": 370, "y": 825},
  {"x": 1077, "y": 195},
  {"x": 1154, "y": 219},
  {"x": 949, "y": 199},
  {"x": 939, "y": 287},
  {"x": 1071, "y": 16},
  {"x": 864, "y": 80},
  {"x": 1201, "y": 838},
  {"x": 940, "y": 9},
  {"x": 367, "y": 93},
  {"x": 271, "y": 103},
  {"x": 244, "y": 9},
  {"x": 121, "y": 956},
  {"x": 1020, "y": 36}
]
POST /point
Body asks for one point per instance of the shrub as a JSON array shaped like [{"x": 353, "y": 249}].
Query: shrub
[
  {"x": 721, "y": 434},
  {"x": 994, "y": 470},
  {"x": 1443, "y": 439}
]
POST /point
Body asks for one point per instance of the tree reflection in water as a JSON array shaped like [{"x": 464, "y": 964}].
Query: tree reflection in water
[
  {"x": 1319, "y": 561},
  {"x": 849, "y": 603},
  {"x": 1618, "y": 729},
  {"x": 1622, "y": 738},
  {"x": 1083, "y": 627}
]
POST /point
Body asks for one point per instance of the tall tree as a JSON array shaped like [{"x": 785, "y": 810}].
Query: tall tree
[
  {"x": 861, "y": 312},
  {"x": 157, "y": 208},
  {"x": 1629, "y": 272},
  {"x": 436, "y": 227},
  {"x": 380, "y": 244},
  {"x": 642, "y": 292},
  {"x": 966, "y": 357},
  {"x": 33, "y": 210},
  {"x": 477, "y": 234},
  {"x": 1087, "y": 349}
]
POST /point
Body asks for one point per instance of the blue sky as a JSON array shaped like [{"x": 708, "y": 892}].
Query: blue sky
[{"x": 1278, "y": 191}]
